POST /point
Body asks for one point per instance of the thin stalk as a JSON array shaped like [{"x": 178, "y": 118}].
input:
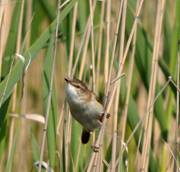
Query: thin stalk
[
  {"x": 1, "y": 32},
  {"x": 92, "y": 46},
  {"x": 72, "y": 39},
  {"x": 144, "y": 116},
  {"x": 14, "y": 96},
  {"x": 130, "y": 37},
  {"x": 50, "y": 91},
  {"x": 107, "y": 49},
  {"x": 116, "y": 107},
  {"x": 125, "y": 54},
  {"x": 115, "y": 41},
  {"x": 108, "y": 22},
  {"x": 28, "y": 38},
  {"x": 129, "y": 81},
  {"x": 64, "y": 4},
  {"x": 84, "y": 55},
  {"x": 78, "y": 158},
  {"x": 83, "y": 43},
  {"x": 109, "y": 95},
  {"x": 173, "y": 156},
  {"x": 67, "y": 141},
  {"x": 68, "y": 126},
  {"x": 60, "y": 133},
  {"x": 154, "y": 69},
  {"x": 177, "y": 132},
  {"x": 100, "y": 44}
]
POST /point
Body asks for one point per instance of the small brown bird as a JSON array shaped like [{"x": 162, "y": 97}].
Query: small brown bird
[{"x": 84, "y": 107}]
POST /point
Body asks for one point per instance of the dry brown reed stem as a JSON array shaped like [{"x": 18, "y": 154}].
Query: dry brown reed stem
[
  {"x": 64, "y": 3},
  {"x": 14, "y": 95},
  {"x": 67, "y": 139},
  {"x": 129, "y": 81},
  {"x": 84, "y": 41},
  {"x": 60, "y": 132},
  {"x": 108, "y": 22},
  {"x": 92, "y": 46},
  {"x": 68, "y": 125},
  {"x": 143, "y": 117},
  {"x": 84, "y": 54},
  {"x": 72, "y": 39},
  {"x": 151, "y": 95},
  {"x": 80, "y": 47},
  {"x": 101, "y": 28},
  {"x": 130, "y": 37},
  {"x": 28, "y": 38},
  {"x": 54, "y": 53},
  {"x": 60, "y": 121},
  {"x": 177, "y": 128},
  {"x": 1, "y": 35},
  {"x": 109, "y": 94},
  {"x": 114, "y": 46},
  {"x": 23, "y": 134},
  {"x": 78, "y": 157},
  {"x": 125, "y": 54},
  {"x": 2, "y": 13},
  {"x": 106, "y": 64},
  {"x": 173, "y": 156},
  {"x": 69, "y": 120},
  {"x": 87, "y": 36},
  {"x": 116, "y": 104},
  {"x": 97, "y": 162}
]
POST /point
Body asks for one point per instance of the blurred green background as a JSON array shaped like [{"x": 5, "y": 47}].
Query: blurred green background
[{"x": 27, "y": 41}]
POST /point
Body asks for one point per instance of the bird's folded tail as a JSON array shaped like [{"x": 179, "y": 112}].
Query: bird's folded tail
[{"x": 85, "y": 136}]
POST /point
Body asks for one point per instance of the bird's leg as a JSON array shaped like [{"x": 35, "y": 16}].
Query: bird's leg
[
  {"x": 102, "y": 116},
  {"x": 95, "y": 148}
]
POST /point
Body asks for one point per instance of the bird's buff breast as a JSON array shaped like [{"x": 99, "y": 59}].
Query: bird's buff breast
[{"x": 87, "y": 114}]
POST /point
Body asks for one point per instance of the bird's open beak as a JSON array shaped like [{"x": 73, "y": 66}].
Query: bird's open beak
[{"x": 66, "y": 79}]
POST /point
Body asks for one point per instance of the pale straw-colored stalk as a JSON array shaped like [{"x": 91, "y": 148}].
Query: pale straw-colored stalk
[
  {"x": 129, "y": 81},
  {"x": 143, "y": 117},
  {"x": 23, "y": 107},
  {"x": 107, "y": 56},
  {"x": 68, "y": 125},
  {"x": 108, "y": 22},
  {"x": 50, "y": 90},
  {"x": 67, "y": 140},
  {"x": 114, "y": 45},
  {"x": 154, "y": 68},
  {"x": 84, "y": 54},
  {"x": 116, "y": 104},
  {"x": 14, "y": 95},
  {"x": 2, "y": 11},
  {"x": 84, "y": 41},
  {"x": 119, "y": 74},
  {"x": 177, "y": 128},
  {"x": 92, "y": 46},
  {"x": 72, "y": 39},
  {"x": 101, "y": 28},
  {"x": 109, "y": 94}
]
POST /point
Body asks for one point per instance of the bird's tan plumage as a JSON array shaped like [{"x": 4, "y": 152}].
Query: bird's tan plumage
[{"x": 83, "y": 105}]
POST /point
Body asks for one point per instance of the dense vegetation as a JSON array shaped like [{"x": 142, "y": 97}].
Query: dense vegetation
[{"x": 125, "y": 51}]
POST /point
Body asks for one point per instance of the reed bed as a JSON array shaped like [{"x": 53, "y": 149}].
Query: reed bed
[{"x": 127, "y": 52}]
